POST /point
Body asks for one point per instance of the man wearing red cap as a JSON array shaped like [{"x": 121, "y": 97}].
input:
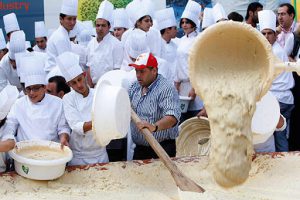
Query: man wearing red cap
[{"x": 156, "y": 102}]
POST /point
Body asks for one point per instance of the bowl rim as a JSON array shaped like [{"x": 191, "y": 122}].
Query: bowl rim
[{"x": 29, "y": 161}]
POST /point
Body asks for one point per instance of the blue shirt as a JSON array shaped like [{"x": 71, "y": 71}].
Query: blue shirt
[{"x": 160, "y": 100}]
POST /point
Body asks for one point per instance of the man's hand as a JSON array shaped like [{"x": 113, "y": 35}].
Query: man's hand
[
  {"x": 144, "y": 124},
  {"x": 64, "y": 140},
  {"x": 202, "y": 113},
  {"x": 192, "y": 94}
]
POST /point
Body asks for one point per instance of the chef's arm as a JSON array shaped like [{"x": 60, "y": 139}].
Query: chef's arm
[
  {"x": 7, "y": 145},
  {"x": 87, "y": 126},
  {"x": 281, "y": 123}
]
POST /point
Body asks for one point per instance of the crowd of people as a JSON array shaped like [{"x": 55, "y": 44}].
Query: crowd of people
[{"x": 46, "y": 92}]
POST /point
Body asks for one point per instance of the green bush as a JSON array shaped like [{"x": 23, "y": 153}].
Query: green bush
[{"x": 89, "y": 8}]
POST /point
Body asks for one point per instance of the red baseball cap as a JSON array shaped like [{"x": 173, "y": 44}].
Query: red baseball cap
[{"x": 145, "y": 60}]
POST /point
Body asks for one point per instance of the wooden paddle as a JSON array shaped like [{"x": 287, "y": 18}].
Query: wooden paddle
[{"x": 183, "y": 182}]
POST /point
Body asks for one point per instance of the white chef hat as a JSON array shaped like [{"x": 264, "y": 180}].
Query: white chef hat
[
  {"x": 137, "y": 43},
  {"x": 8, "y": 97},
  {"x": 140, "y": 8},
  {"x": 68, "y": 64},
  {"x": 192, "y": 11},
  {"x": 105, "y": 11},
  {"x": 165, "y": 18},
  {"x": 69, "y": 7},
  {"x": 88, "y": 25},
  {"x": 84, "y": 37},
  {"x": 33, "y": 68},
  {"x": 20, "y": 68},
  {"x": 120, "y": 18},
  {"x": 267, "y": 20},
  {"x": 40, "y": 29},
  {"x": 208, "y": 18},
  {"x": 10, "y": 23},
  {"x": 16, "y": 44},
  {"x": 219, "y": 12},
  {"x": 2, "y": 40}
]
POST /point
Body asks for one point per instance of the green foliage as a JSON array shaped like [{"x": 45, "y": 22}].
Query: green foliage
[
  {"x": 89, "y": 8},
  {"x": 120, "y": 3}
]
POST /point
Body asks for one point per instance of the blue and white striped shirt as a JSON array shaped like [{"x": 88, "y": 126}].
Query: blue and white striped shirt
[{"x": 160, "y": 100}]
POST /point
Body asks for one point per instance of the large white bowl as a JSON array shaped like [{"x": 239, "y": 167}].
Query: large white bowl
[
  {"x": 265, "y": 118},
  {"x": 40, "y": 169},
  {"x": 110, "y": 112}
]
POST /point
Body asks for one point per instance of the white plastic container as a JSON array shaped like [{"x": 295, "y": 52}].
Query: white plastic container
[
  {"x": 110, "y": 112},
  {"x": 265, "y": 118},
  {"x": 40, "y": 169},
  {"x": 184, "y": 103}
]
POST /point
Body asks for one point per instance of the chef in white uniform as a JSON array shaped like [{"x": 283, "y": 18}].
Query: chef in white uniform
[
  {"x": 10, "y": 24},
  {"x": 8, "y": 68},
  {"x": 7, "y": 141},
  {"x": 189, "y": 23},
  {"x": 168, "y": 28},
  {"x": 59, "y": 41},
  {"x": 40, "y": 34},
  {"x": 281, "y": 86},
  {"x": 104, "y": 52},
  {"x": 77, "y": 107},
  {"x": 121, "y": 22},
  {"x": 3, "y": 48},
  {"x": 141, "y": 15},
  {"x": 37, "y": 115}
]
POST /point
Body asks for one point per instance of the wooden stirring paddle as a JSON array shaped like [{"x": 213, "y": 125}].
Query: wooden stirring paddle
[{"x": 183, "y": 182}]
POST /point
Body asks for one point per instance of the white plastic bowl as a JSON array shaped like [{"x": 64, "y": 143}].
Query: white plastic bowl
[
  {"x": 184, "y": 103},
  {"x": 110, "y": 112},
  {"x": 265, "y": 118},
  {"x": 40, "y": 169}
]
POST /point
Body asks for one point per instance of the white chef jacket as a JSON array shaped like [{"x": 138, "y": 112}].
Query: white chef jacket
[
  {"x": 281, "y": 86},
  {"x": 81, "y": 52},
  {"x": 58, "y": 43},
  {"x": 182, "y": 71},
  {"x": 168, "y": 53},
  {"x": 84, "y": 146},
  {"x": 8, "y": 75},
  {"x": 104, "y": 56},
  {"x": 3, "y": 137},
  {"x": 38, "y": 49},
  {"x": 44, "y": 120},
  {"x": 154, "y": 42}
]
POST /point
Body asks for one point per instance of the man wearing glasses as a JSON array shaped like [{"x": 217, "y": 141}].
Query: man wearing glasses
[{"x": 37, "y": 115}]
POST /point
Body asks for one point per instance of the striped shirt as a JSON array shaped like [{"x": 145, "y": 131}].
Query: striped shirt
[{"x": 160, "y": 100}]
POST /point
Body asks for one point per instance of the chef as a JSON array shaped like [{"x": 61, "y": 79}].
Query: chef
[
  {"x": 189, "y": 22},
  {"x": 40, "y": 34},
  {"x": 281, "y": 86},
  {"x": 121, "y": 22},
  {"x": 168, "y": 28},
  {"x": 59, "y": 41},
  {"x": 77, "y": 107},
  {"x": 37, "y": 115},
  {"x": 104, "y": 52},
  {"x": 7, "y": 141},
  {"x": 8, "y": 68},
  {"x": 141, "y": 13}
]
